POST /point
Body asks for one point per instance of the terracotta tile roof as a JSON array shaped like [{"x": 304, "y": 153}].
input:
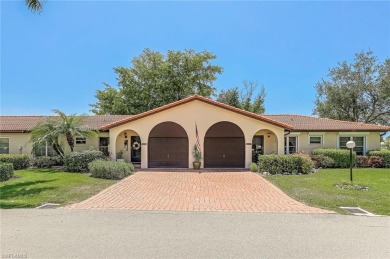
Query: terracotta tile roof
[
  {"x": 26, "y": 123},
  {"x": 308, "y": 123},
  {"x": 202, "y": 99}
]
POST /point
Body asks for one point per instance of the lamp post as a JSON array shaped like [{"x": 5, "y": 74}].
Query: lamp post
[{"x": 350, "y": 144}]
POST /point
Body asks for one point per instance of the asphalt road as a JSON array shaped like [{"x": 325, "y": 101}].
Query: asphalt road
[{"x": 64, "y": 233}]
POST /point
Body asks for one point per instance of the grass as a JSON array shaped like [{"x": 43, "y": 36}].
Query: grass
[
  {"x": 34, "y": 187},
  {"x": 318, "y": 189}
]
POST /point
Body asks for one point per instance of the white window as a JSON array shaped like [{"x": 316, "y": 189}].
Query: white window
[
  {"x": 4, "y": 145},
  {"x": 315, "y": 139},
  {"x": 81, "y": 141},
  {"x": 290, "y": 145},
  {"x": 359, "y": 141},
  {"x": 44, "y": 150}
]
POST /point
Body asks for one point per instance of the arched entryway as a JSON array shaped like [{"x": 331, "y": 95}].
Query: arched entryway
[
  {"x": 127, "y": 146},
  {"x": 168, "y": 146},
  {"x": 224, "y": 146}
]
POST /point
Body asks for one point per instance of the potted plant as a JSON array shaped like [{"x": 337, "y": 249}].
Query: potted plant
[
  {"x": 119, "y": 156},
  {"x": 197, "y": 155}
]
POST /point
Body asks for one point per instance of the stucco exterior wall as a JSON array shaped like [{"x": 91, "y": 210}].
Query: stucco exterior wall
[
  {"x": 330, "y": 140},
  {"x": 23, "y": 139},
  {"x": 16, "y": 140},
  {"x": 205, "y": 115}
]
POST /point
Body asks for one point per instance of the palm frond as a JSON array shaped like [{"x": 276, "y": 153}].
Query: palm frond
[{"x": 35, "y": 5}]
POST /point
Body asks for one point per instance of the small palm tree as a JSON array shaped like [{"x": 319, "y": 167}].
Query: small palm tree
[
  {"x": 72, "y": 126},
  {"x": 35, "y": 5},
  {"x": 44, "y": 133}
]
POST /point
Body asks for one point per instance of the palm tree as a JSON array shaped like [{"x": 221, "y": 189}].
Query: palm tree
[
  {"x": 44, "y": 133},
  {"x": 35, "y": 5},
  {"x": 50, "y": 130},
  {"x": 72, "y": 126}
]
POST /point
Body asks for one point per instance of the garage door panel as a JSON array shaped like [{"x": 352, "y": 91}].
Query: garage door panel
[
  {"x": 168, "y": 152},
  {"x": 224, "y": 152}
]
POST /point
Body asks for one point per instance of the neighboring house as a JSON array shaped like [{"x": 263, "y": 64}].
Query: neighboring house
[{"x": 229, "y": 137}]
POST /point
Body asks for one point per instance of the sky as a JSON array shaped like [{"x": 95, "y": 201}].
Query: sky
[{"x": 59, "y": 58}]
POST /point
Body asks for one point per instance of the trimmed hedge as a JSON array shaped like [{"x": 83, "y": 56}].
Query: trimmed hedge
[
  {"x": 78, "y": 161},
  {"x": 18, "y": 161},
  {"x": 384, "y": 154},
  {"x": 110, "y": 169},
  {"x": 46, "y": 161},
  {"x": 362, "y": 161},
  {"x": 321, "y": 161},
  {"x": 6, "y": 171},
  {"x": 340, "y": 156},
  {"x": 253, "y": 167},
  {"x": 282, "y": 164}
]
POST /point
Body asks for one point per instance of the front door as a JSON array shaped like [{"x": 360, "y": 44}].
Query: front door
[
  {"x": 135, "y": 149},
  {"x": 257, "y": 148}
]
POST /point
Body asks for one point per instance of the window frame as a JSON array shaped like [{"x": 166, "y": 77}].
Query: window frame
[
  {"x": 8, "y": 144},
  {"x": 351, "y": 137},
  {"x": 316, "y": 136},
  {"x": 287, "y": 144},
  {"x": 83, "y": 140}
]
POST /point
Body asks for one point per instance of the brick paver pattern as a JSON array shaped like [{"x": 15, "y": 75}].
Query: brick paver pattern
[{"x": 192, "y": 191}]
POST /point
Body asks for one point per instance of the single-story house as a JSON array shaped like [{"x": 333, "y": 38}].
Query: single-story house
[{"x": 228, "y": 136}]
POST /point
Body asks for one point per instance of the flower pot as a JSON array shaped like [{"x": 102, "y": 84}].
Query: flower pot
[{"x": 196, "y": 165}]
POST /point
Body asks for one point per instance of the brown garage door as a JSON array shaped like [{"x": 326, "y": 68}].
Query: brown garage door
[
  {"x": 224, "y": 152},
  {"x": 168, "y": 146},
  {"x": 168, "y": 152}
]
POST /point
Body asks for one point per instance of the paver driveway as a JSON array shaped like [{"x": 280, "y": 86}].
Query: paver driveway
[{"x": 191, "y": 191}]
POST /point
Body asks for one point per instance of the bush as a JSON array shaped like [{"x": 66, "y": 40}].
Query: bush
[
  {"x": 18, "y": 161},
  {"x": 253, "y": 167},
  {"x": 280, "y": 164},
  {"x": 362, "y": 161},
  {"x": 6, "y": 171},
  {"x": 375, "y": 161},
  {"x": 42, "y": 162},
  {"x": 340, "y": 156},
  {"x": 322, "y": 161},
  {"x": 384, "y": 154},
  {"x": 110, "y": 169},
  {"x": 78, "y": 161}
]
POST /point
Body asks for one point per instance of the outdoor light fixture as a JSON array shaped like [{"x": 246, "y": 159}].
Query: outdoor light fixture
[
  {"x": 125, "y": 134},
  {"x": 350, "y": 144},
  {"x": 269, "y": 134}
]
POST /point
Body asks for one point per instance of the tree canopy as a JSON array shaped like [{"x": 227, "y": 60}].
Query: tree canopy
[
  {"x": 358, "y": 92},
  {"x": 34, "y": 5},
  {"x": 246, "y": 98},
  {"x": 155, "y": 79}
]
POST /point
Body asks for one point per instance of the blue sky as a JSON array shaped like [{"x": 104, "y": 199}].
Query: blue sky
[{"x": 58, "y": 59}]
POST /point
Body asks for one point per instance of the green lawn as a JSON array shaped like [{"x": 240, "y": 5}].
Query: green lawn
[
  {"x": 38, "y": 186},
  {"x": 318, "y": 189}
]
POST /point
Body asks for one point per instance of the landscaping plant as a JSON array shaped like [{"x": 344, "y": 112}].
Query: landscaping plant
[
  {"x": 340, "y": 156},
  {"x": 110, "y": 169},
  {"x": 6, "y": 171},
  {"x": 78, "y": 161},
  {"x": 18, "y": 161}
]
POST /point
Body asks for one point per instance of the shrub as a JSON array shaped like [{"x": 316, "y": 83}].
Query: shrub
[
  {"x": 280, "y": 164},
  {"x": 18, "y": 161},
  {"x": 78, "y": 161},
  {"x": 384, "y": 154},
  {"x": 375, "y": 161},
  {"x": 322, "y": 161},
  {"x": 42, "y": 162},
  {"x": 110, "y": 169},
  {"x": 340, "y": 156},
  {"x": 253, "y": 167},
  {"x": 6, "y": 171},
  {"x": 362, "y": 161}
]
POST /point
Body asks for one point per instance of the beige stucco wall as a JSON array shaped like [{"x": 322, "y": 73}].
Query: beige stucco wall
[
  {"x": 330, "y": 140},
  {"x": 22, "y": 139},
  {"x": 205, "y": 115},
  {"x": 119, "y": 144},
  {"x": 16, "y": 140},
  {"x": 270, "y": 143}
]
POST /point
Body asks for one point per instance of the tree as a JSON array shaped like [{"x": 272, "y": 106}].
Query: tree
[
  {"x": 44, "y": 133},
  {"x": 357, "y": 92},
  {"x": 34, "y": 5},
  {"x": 246, "y": 98},
  {"x": 50, "y": 130},
  {"x": 155, "y": 79}
]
